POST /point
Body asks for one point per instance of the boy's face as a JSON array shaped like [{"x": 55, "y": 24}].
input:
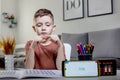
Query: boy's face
[{"x": 44, "y": 25}]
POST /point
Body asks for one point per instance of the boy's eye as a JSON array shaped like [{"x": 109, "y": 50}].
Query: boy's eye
[
  {"x": 48, "y": 25},
  {"x": 39, "y": 25}
]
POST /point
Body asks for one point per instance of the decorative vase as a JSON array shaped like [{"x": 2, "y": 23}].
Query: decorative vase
[{"x": 9, "y": 62}]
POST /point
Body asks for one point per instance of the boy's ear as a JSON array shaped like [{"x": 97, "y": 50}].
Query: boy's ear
[
  {"x": 54, "y": 26},
  {"x": 34, "y": 28}
]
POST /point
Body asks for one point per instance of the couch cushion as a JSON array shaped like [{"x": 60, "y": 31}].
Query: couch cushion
[
  {"x": 107, "y": 43},
  {"x": 19, "y": 62},
  {"x": 73, "y": 40}
]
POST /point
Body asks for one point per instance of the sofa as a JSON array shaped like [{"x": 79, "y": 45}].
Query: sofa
[{"x": 106, "y": 42}]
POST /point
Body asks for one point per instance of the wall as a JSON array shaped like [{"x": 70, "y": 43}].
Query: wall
[
  {"x": 0, "y": 17},
  {"x": 8, "y": 6},
  {"x": 26, "y": 8}
]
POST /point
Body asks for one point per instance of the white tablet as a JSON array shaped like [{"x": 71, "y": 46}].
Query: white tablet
[{"x": 80, "y": 68}]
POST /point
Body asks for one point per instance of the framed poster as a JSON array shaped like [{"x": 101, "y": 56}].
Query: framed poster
[
  {"x": 73, "y": 9},
  {"x": 99, "y": 7}
]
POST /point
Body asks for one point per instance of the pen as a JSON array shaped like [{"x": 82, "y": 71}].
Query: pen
[
  {"x": 79, "y": 49},
  {"x": 82, "y": 49},
  {"x": 92, "y": 46}
]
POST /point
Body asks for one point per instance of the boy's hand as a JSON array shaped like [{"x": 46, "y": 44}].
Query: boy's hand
[
  {"x": 54, "y": 38},
  {"x": 41, "y": 39}
]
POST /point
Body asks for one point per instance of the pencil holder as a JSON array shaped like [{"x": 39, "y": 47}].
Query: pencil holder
[
  {"x": 85, "y": 51},
  {"x": 9, "y": 62},
  {"x": 84, "y": 56}
]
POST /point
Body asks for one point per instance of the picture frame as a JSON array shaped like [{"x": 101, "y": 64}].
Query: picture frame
[
  {"x": 73, "y": 9},
  {"x": 99, "y": 7}
]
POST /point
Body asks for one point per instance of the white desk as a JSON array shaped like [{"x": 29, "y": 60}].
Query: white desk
[{"x": 117, "y": 77}]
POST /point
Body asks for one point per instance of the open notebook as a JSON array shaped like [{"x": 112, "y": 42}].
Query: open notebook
[{"x": 30, "y": 73}]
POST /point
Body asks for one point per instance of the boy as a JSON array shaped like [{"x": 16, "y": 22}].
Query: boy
[{"x": 46, "y": 51}]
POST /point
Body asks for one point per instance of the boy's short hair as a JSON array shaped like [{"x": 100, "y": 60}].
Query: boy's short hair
[{"x": 43, "y": 12}]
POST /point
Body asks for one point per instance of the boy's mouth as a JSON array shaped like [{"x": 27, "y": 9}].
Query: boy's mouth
[{"x": 43, "y": 33}]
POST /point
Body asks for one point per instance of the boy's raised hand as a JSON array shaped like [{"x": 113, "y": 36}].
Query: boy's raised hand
[
  {"x": 54, "y": 38},
  {"x": 45, "y": 38},
  {"x": 41, "y": 39}
]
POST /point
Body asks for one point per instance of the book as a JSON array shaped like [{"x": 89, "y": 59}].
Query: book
[{"x": 30, "y": 73}]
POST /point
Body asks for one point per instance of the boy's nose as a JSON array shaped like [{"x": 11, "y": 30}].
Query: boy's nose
[{"x": 43, "y": 28}]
